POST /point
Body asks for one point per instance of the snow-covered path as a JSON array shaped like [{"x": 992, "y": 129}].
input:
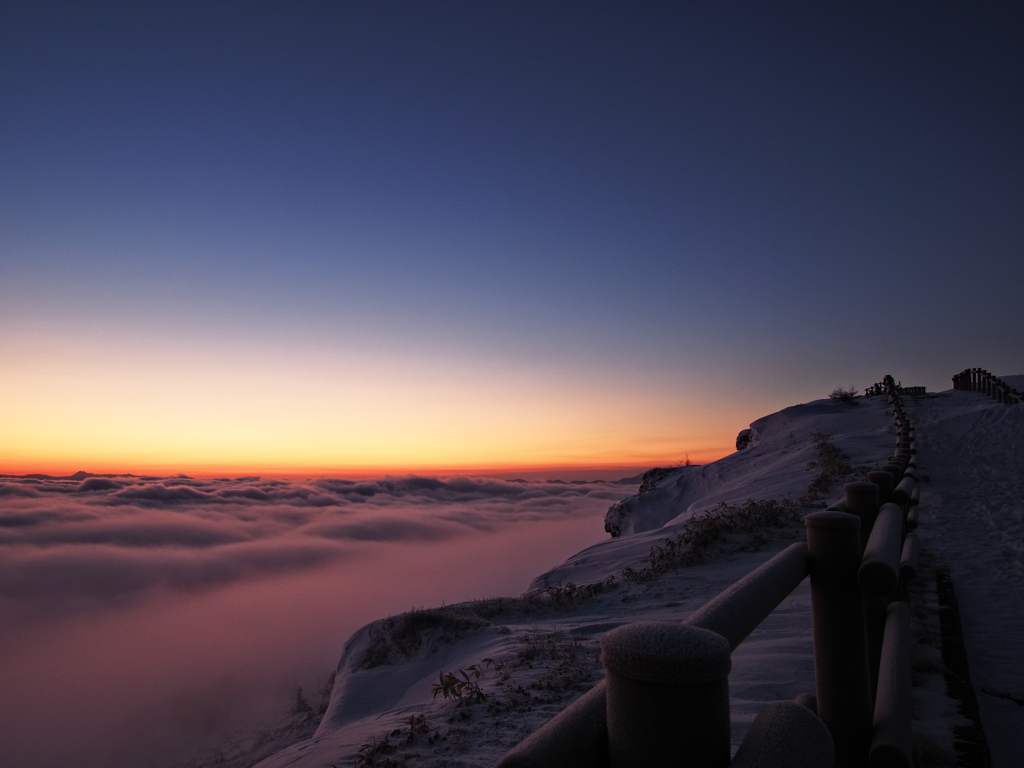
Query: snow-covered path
[{"x": 972, "y": 519}]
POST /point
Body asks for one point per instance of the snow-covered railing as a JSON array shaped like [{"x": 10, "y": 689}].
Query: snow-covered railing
[
  {"x": 980, "y": 380},
  {"x": 592, "y": 731},
  {"x": 665, "y": 695}
]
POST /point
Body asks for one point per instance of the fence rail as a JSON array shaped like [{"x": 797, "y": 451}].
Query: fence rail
[
  {"x": 665, "y": 694},
  {"x": 980, "y": 380}
]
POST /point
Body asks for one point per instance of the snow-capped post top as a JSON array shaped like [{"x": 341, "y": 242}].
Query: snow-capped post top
[
  {"x": 665, "y": 652},
  {"x": 667, "y": 695}
]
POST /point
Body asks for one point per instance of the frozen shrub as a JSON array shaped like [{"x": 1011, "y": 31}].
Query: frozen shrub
[
  {"x": 832, "y": 463},
  {"x": 844, "y": 394}
]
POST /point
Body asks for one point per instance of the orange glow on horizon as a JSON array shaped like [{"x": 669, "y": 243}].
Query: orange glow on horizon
[
  {"x": 222, "y": 413},
  {"x": 626, "y": 467}
]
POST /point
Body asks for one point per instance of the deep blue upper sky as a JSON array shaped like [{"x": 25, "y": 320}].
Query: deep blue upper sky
[{"x": 760, "y": 200}]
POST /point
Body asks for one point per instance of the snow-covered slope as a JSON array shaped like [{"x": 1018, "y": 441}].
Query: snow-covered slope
[
  {"x": 524, "y": 659},
  {"x": 772, "y": 466}
]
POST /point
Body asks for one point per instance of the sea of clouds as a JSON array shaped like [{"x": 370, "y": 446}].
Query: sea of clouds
[
  {"x": 147, "y": 617},
  {"x": 118, "y": 536}
]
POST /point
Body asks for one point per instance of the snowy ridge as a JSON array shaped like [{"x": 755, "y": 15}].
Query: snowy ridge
[
  {"x": 773, "y": 465},
  {"x": 785, "y": 731},
  {"x": 546, "y": 640}
]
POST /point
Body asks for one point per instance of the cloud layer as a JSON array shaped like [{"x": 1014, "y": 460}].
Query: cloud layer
[
  {"x": 124, "y": 597},
  {"x": 122, "y": 536}
]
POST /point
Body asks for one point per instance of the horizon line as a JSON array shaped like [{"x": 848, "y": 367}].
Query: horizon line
[{"x": 526, "y": 471}]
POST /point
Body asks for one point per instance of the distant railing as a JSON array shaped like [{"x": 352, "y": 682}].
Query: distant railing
[
  {"x": 665, "y": 695},
  {"x": 881, "y": 388},
  {"x": 980, "y": 380}
]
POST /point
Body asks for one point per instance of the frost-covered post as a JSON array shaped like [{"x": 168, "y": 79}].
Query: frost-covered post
[
  {"x": 667, "y": 695},
  {"x": 896, "y": 470},
  {"x": 841, "y": 671},
  {"x": 862, "y": 501},
  {"x": 885, "y": 485}
]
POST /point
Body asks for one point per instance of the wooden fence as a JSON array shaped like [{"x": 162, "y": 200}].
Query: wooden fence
[
  {"x": 980, "y": 380},
  {"x": 665, "y": 698}
]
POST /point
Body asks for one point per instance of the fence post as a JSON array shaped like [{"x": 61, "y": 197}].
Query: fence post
[
  {"x": 885, "y": 485},
  {"x": 840, "y": 642},
  {"x": 862, "y": 501},
  {"x": 577, "y": 737},
  {"x": 667, "y": 695},
  {"x": 896, "y": 470}
]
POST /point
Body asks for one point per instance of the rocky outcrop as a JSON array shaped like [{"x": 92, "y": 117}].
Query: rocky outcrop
[
  {"x": 655, "y": 503},
  {"x": 747, "y": 437},
  {"x": 743, "y": 438},
  {"x": 618, "y": 519},
  {"x": 652, "y": 478}
]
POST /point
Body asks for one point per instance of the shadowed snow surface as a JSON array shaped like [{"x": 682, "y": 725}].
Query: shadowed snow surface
[{"x": 973, "y": 523}]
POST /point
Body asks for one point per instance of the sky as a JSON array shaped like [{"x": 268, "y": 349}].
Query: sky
[{"x": 338, "y": 239}]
